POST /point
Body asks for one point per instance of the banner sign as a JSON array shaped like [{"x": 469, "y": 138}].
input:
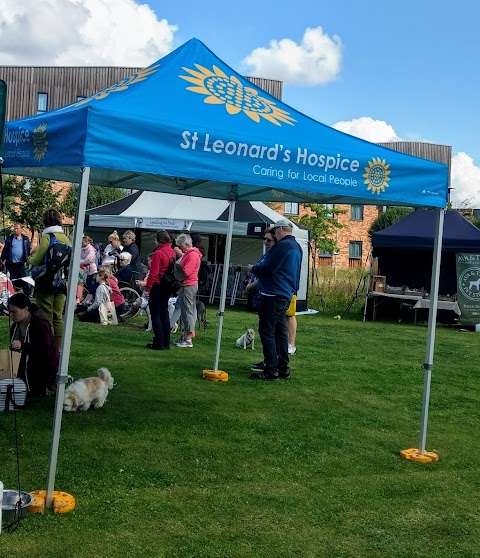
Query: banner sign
[
  {"x": 164, "y": 224},
  {"x": 468, "y": 287}
]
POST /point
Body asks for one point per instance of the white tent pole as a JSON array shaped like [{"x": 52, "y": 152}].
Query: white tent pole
[
  {"x": 432, "y": 322},
  {"x": 223, "y": 293},
  {"x": 62, "y": 377}
]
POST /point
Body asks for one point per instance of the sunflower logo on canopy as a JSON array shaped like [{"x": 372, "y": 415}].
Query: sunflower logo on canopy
[
  {"x": 220, "y": 89},
  {"x": 376, "y": 175},
  {"x": 123, "y": 85},
  {"x": 40, "y": 142}
]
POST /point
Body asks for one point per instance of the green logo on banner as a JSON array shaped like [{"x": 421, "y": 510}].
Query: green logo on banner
[{"x": 468, "y": 287}]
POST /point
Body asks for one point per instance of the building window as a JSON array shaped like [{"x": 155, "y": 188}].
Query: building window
[
  {"x": 42, "y": 102},
  {"x": 329, "y": 206},
  {"x": 356, "y": 212},
  {"x": 324, "y": 253},
  {"x": 291, "y": 208},
  {"x": 355, "y": 250}
]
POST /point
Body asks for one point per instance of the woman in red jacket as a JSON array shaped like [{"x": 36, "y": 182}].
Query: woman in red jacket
[{"x": 158, "y": 292}]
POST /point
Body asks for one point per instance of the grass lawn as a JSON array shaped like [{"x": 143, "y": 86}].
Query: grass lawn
[{"x": 176, "y": 466}]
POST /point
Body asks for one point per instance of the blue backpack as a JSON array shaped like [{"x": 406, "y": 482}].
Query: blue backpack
[{"x": 56, "y": 262}]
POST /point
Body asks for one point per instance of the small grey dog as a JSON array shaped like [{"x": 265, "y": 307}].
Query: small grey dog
[
  {"x": 201, "y": 314},
  {"x": 246, "y": 340}
]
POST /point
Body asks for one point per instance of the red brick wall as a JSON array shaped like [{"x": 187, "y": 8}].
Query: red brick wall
[{"x": 352, "y": 231}]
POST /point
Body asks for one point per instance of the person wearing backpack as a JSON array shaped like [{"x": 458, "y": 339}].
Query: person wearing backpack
[
  {"x": 158, "y": 292},
  {"x": 49, "y": 298}
]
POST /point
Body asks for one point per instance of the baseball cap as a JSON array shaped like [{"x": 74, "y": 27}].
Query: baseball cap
[{"x": 282, "y": 223}]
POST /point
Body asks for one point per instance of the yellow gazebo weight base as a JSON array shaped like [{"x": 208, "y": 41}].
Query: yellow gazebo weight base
[
  {"x": 61, "y": 502},
  {"x": 413, "y": 454},
  {"x": 215, "y": 375}
]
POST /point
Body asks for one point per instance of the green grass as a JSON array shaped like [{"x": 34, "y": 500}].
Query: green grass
[{"x": 176, "y": 466}]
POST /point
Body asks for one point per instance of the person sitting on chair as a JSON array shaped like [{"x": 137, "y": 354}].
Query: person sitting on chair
[{"x": 125, "y": 272}]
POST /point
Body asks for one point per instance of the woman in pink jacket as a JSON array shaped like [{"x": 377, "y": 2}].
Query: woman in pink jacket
[
  {"x": 88, "y": 261},
  {"x": 187, "y": 293}
]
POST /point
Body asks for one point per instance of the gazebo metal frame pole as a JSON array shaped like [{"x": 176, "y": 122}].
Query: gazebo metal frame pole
[
  {"x": 62, "y": 377},
  {"x": 432, "y": 322},
  {"x": 226, "y": 264}
]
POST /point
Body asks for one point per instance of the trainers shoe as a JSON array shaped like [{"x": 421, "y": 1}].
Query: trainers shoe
[
  {"x": 284, "y": 374},
  {"x": 184, "y": 344},
  {"x": 259, "y": 367},
  {"x": 265, "y": 375},
  {"x": 291, "y": 349},
  {"x": 178, "y": 341}
]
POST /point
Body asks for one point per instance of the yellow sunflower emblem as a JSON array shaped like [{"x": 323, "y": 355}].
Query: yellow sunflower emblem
[
  {"x": 123, "y": 85},
  {"x": 376, "y": 175},
  {"x": 40, "y": 142},
  {"x": 229, "y": 91}
]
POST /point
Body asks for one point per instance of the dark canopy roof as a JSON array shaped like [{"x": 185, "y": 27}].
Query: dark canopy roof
[{"x": 416, "y": 231}]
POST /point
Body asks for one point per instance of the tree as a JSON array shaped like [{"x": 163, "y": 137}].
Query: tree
[
  {"x": 391, "y": 216},
  {"x": 27, "y": 200},
  {"x": 322, "y": 224},
  {"x": 97, "y": 195}
]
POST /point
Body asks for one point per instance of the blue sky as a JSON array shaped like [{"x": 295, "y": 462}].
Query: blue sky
[{"x": 380, "y": 70}]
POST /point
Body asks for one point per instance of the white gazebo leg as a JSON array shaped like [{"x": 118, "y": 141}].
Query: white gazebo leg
[{"x": 62, "y": 377}]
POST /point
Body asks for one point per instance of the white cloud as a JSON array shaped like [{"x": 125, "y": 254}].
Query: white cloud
[
  {"x": 465, "y": 181},
  {"x": 82, "y": 32},
  {"x": 376, "y": 131},
  {"x": 314, "y": 61}
]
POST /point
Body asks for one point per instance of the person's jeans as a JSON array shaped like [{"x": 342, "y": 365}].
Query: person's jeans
[
  {"x": 158, "y": 304},
  {"x": 273, "y": 332}
]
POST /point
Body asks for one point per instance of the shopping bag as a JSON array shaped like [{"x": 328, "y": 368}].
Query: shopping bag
[
  {"x": 7, "y": 359},
  {"x": 13, "y": 393},
  {"x": 108, "y": 315}
]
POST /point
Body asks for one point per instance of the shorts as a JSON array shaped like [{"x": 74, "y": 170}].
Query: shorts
[{"x": 292, "y": 307}]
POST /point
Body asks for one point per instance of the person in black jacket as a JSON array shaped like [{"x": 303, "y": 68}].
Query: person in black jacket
[
  {"x": 15, "y": 254},
  {"x": 32, "y": 336},
  {"x": 130, "y": 246}
]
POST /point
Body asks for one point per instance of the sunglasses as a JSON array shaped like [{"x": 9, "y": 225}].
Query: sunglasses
[{"x": 267, "y": 239}]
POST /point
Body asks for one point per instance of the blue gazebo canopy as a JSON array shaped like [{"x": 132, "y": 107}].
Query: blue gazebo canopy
[{"x": 189, "y": 123}]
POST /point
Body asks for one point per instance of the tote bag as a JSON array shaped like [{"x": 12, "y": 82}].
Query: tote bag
[
  {"x": 7, "y": 358},
  {"x": 108, "y": 315}
]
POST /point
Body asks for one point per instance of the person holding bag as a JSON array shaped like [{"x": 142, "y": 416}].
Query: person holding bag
[{"x": 102, "y": 308}]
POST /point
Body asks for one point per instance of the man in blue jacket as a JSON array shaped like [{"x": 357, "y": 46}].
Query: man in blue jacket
[
  {"x": 278, "y": 280},
  {"x": 15, "y": 254}
]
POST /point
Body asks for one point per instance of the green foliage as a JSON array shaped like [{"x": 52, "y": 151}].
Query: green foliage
[
  {"x": 27, "y": 199},
  {"x": 332, "y": 291},
  {"x": 174, "y": 466},
  {"x": 391, "y": 216},
  {"x": 476, "y": 222},
  {"x": 97, "y": 195},
  {"x": 322, "y": 224}
]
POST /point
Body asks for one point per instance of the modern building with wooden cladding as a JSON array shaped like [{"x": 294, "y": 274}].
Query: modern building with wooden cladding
[{"x": 33, "y": 90}]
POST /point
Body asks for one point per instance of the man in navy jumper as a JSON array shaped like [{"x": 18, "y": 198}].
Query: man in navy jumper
[
  {"x": 278, "y": 280},
  {"x": 15, "y": 254}
]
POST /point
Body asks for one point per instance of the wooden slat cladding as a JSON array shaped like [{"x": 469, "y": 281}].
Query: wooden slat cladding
[
  {"x": 430, "y": 151},
  {"x": 64, "y": 85}
]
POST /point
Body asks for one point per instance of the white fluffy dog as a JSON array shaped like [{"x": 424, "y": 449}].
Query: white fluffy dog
[
  {"x": 82, "y": 394},
  {"x": 246, "y": 340}
]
